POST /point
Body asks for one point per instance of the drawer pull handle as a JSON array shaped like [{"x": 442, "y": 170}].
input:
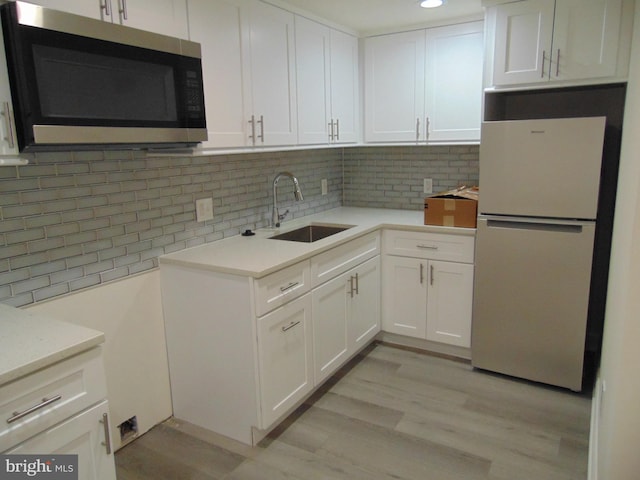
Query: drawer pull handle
[
  {"x": 289, "y": 287},
  {"x": 427, "y": 247},
  {"x": 107, "y": 435},
  {"x": 290, "y": 326},
  {"x": 45, "y": 402}
]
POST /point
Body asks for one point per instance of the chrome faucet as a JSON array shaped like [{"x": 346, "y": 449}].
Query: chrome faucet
[{"x": 276, "y": 217}]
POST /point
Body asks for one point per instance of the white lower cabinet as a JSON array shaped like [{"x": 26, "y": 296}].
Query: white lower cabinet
[
  {"x": 428, "y": 286},
  {"x": 346, "y": 316},
  {"x": 243, "y": 351},
  {"x": 61, "y": 409},
  {"x": 284, "y": 358},
  {"x": 82, "y": 435}
]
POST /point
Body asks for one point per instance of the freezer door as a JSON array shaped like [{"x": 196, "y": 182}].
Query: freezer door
[
  {"x": 531, "y": 293},
  {"x": 541, "y": 168}
]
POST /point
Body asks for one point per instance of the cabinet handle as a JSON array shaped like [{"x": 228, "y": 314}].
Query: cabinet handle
[
  {"x": 252, "y": 122},
  {"x": 427, "y": 247},
  {"x": 330, "y": 124},
  {"x": 107, "y": 435},
  {"x": 289, "y": 287},
  {"x": 558, "y": 64},
  {"x": 428, "y": 125},
  {"x": 290, "y": 326},
  {"x": 45, "y": 402},
  {"x": 421, "y": 274},
  {"x": 417, "y": 129},
  {"x": 6, "y": 113},
  {"x": 261, "y": 122},
  {"x": 106, "y": 6},
  {"x": 430, "y": 274},
  {"x": 337, "y": 129},
  {"x": 123, "y": 9},
  {"x": 357, "y": 284},
  {"x": 544, "y": 54},
  {"x": 351, "y": 289}
]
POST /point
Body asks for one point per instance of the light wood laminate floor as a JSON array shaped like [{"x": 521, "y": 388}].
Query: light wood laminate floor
[{"x": 390, "y": 414}]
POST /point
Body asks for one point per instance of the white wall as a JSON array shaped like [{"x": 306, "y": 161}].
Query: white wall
[
  {"x": 618, "y": 419},
  {"x": 129, "y": 312}
]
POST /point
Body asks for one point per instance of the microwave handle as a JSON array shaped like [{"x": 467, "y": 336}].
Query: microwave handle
[{"x": 6, "y": 113}]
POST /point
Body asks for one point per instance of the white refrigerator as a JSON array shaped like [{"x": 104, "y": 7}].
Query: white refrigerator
[{"x": 539, "y": 184}]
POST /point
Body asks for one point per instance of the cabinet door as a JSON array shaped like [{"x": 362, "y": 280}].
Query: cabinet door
[
  {"x": 216, "y": 26},
  {"x": 99, "y": 9},
  {"x": 364, "y": 304},
  {"x": 313, "y": 80},
  {"x": 454, "y": 82},
  {"x": 585, "y": 39},
  {"x": 330, "y": 340},
  {"x": 284, "y": 357},
  {"x": 404, "y": 296},
  {"x": 523, "y": 42},
  {"x": 394, "y": 87},
  {"x": 82, "y": 435},
  {"x": 168, "y": 17},
  {"x": 269, "y": 69},
  {"x": 449, "y": 302},
  {"x": 344, "y": 87}
]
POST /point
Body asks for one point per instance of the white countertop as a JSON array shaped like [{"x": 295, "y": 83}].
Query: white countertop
[
  {"x": 30, "y": 342},
  {"x": 258, "y": 255}
]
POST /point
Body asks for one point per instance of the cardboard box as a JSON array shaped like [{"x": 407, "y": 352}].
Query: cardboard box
[{"x": 455, "y": 208}]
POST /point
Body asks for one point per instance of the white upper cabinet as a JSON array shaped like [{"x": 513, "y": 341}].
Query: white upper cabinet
[
  {"x": 539, "y": 41},
  {"x": 454, "y": 82},
  {"x": 424, "y": 85},
  {"x": 93, "y": 9},
  {"x": 313, "y": 69},
  {"x": 216, "y": 26},
  {"x": 394, "y": 87},
  {"x": 269, "y": 74},
  {"x": 344, "y": 87},
  {"x": 327, "y": 83},
  {"x": 249, "y": 72},
  {"x": 168, "y": 17}
]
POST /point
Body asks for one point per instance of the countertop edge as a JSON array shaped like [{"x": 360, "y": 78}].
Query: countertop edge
[
  {"x": 31, "y": 342},
  {"x": 358, "y": 230}
]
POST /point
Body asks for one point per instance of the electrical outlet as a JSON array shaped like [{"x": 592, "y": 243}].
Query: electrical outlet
[
  {"x": 428, "y": 185},
  {"x": 204, "y": 209},
  {"x": 323, "y": 186}
]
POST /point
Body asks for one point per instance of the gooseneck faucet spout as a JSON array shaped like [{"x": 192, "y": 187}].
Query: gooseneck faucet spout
[{"x": 276, "y": 217}]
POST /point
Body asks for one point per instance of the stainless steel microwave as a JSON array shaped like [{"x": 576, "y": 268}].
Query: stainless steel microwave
[{"x": 81, "y": 83}]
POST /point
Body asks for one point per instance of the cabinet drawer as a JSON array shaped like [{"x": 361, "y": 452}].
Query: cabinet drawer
[
  {"x": 34, "y": 403},
  {"x": 435, "y": 246},
  {"x": 340, "y": 259},
  {"x": 281, "y": 287}
]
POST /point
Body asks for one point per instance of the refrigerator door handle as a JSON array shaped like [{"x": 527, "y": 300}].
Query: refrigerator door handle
[{"x": 525, "y": 224}]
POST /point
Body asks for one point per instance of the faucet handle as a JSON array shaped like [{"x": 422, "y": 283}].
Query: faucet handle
[{"x": 282, "y": 215}]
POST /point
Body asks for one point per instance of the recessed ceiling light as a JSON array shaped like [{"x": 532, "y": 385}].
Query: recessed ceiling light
[{"x": 431, "y": 3}]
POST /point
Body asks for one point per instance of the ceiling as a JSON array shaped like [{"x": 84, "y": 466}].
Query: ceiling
[{"x": 368, "y": 17}]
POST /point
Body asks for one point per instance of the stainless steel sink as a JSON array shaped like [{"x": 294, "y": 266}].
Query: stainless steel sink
[{"x": 311, "y": 233}]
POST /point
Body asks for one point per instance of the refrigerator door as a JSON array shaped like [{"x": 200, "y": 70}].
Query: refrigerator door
[
  {"x": 530, "y": 299},
  {"x": 541, "y": 168}
]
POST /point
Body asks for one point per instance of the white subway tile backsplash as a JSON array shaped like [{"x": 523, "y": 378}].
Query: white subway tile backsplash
[{"x": 74, "y": 220}]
